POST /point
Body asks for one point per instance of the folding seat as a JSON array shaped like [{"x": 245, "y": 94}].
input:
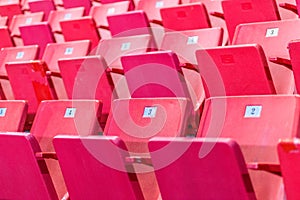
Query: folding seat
[
  {"x": 136, "y": 120},
  {"x": 54, "y": 52},
  {"x": 236, "y": 12},
  {"x": 80, "y": 29},
  {"x": 6, "y": 40},
  {"x": 289, "y": 157},
  {"x": 42, "y": 35},
  {"x": 100, "y": 13},
  {"x": 185, "y": 44},
  {"x": 129, "y": 24},
  {"x": 154, "y": 74},
  {"x": 235, "y": 70},
  {"x": 93, "y": 168},
  {"x": 3, "y": 21},
  {"x": 14, "y": 54},
  {"x": 87, "y": 4},
  {"x": 274, "y": 38},
  {"x": 45, "y": 6},
  {"x": 12, "y": 115},
  {"x": 132, "y": 3},
  {"x": 152, "y": 8},
  {"x": 196, "y": 170},
  {"x": 216, "y": 16},
  {"x": 68, "y": 117},
  {"x": 10, "y": 9},
  {"x": 87, "y": 78},
  {"x": 112, "y": 50},
  {"x": 56, "y": 16},
  {"x": 294, "y": 47},
  {"x": 29, "y": 82},
  {"x": 45, "y": 73},
  {"x": 23, "y": 19},
  {"x": 23, "y": 175},
  {"x": 256, "y": 123},
  {"x": 185, "y": 17}
]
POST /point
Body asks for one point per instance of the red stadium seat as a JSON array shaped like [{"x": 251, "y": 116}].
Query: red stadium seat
[
  {"x": 20, "y": 168},
  {"x": 6, "y": 40},
  {"x": 87, "y": 78},
  {"x": 135, "y": 121},
  {"x": 12, "y": 115},
  {"x": 154, "y": 74},
  {"x": 294, "y": 47},
  {"x": 57, "y": 51},
  {"x": 256, "y": 123},
  {"x": 42, "y": 35},
  {"x": 87, "y": 4},
  {"x": 289, "y": 157},
  {"x": 219, "y": 173},
  {"x": 152, "y": 8},
  {"x": 56, "y": 16},
  {"x": 29, "y": 82},
  {"x": 14, "y": 54},
  {"x": 185, "y": 17},
  {"x": 185, "y": 44},
  {"x": 10, "y": 9},
  {"x": 239, "y": 12},
  {"x": 112, "y": 50},
  {"x": 235, "y": 70},
  {"x": 45, "y": 6},
  {"x": 3, "y": 21},
  {"x": 68, "y": 117},
  {"x": 274, "y": 38},
  {"x": 93, "y": 168},
  {"x": 81, "y": 29}
]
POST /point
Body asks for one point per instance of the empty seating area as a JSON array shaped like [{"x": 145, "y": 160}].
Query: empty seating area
[{"x": 149, "y": 99}]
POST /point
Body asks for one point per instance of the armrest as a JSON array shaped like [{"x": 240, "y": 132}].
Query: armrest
[
  {"x": 289, "y": 7},
  {"x": 56, "y": 74},
  {"x": 138, "y": 160},
  {"x": 115, "y": 70},
  {"x": 154, "y": 21},
  {"x": 281, "y": 61},
  {"x": 104, "y": 27},
  {"x": 189, "y": 66},
  {"x": 268, "y": 167},
  {"x": 46, "y": 155},
  {"x": 4, "y": 77},
  {"x": 217, "y": 14}
]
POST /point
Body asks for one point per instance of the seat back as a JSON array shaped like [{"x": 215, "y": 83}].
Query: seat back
[
  {"x": 294, "y": 47},
  {"x": 246, "y": 63},
  {"x": 274, "y": 38},
  {"x": 87, "y": 78},
  {"x": 242, "y": 12},
  {"x": 80, "y": 29},
  {"x": 56, "y": 16},
  {"x": 101, "y": 163},
  {"x": 185, "y": 17},
  {"x": 87, "y": 4},
  {"x": 42, "y": 35},
  {"x": 12, "y": 115},
  {"x": 20, "y": 168},
  {"x": 154, "y": 74},
  {"x": 45, "y": 6},
  {"x": 29, "y": 82},
  {"x": 194, "y": 172},
  {"x": 68, "y": 117},
  {"x": 256, "y": 123},
  {"x": 289, "y": 157}
]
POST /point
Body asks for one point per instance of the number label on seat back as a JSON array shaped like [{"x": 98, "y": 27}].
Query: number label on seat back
[
  {"x": 70, "y": 113},
  {"x": 2, "y": 112},
  {"x": 272, "y": 32},
  {"x": 149, "y": 112},
  {"x": 253, "y": 111}
]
